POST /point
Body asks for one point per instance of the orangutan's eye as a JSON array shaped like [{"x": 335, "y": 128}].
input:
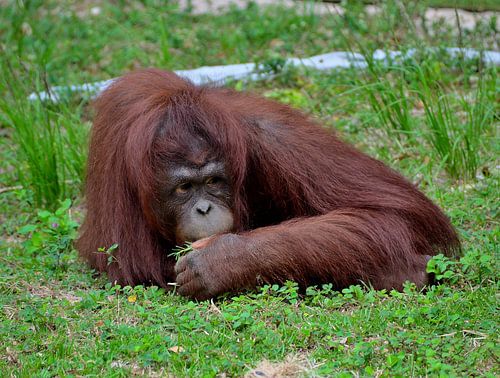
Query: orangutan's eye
[
  {"x": 213, "y": 181},
  {"x": 184, "y": 188}
]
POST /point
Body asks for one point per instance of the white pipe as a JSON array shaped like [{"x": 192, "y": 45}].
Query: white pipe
[{"x": 220, "y": 74}]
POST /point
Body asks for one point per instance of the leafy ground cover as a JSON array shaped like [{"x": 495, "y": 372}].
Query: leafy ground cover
[
  {"x": 433, "y": 117},
  {"x": 476, "y": 5}
]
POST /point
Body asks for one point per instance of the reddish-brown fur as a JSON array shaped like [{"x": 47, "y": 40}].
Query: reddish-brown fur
[{"x": 308, "y": 207}]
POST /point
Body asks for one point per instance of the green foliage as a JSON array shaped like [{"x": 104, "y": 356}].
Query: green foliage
[
  {"x": 426, "y": 116},
  {"x": 442, "y": 268},
  {"x": 292, "y": 97},
  {"x": 478, "y": 266},
  {"x": 51, "y": 144},
  {"x": 109, "y": 252},
  {"x": 457, "y": 141},
  {"x": 273, "y": 64},
  {"x": 49, "y": 141},
  {"x": 456, "y": 126},
  {"x": 51, "y": 234},
  {"x": 180, "y": 251},
  {"x": 391, "y": 106},
  {"x": 476, "y": 5}
]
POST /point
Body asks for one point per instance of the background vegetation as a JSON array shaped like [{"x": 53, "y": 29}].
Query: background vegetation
[{"x": 434, "y": 117}]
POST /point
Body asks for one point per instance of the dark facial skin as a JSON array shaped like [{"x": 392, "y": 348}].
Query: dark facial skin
[{"x": 199, "y": 199}]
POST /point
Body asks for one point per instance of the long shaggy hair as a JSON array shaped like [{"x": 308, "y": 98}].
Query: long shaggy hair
[{"x": 355, "y": 218}]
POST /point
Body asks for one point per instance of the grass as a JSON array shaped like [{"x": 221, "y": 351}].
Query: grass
[
  {"x": 457, "y": 141},
  {"x": 51, "y": 146},
  {"x": 455, "y": 124},
  {"x": 180, "y": 251},
  {"x": 431, "y": 117},
  {"x": 475, "y": 5}
]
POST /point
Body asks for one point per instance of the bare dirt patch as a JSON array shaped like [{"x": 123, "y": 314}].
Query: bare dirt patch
[{"x": 292, "y": 366}]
